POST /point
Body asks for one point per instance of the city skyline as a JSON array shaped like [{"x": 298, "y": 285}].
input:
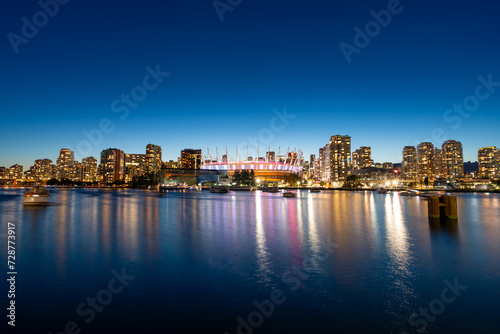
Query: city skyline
[
  {"x": 203, "y": 79},
  {"x": 262, "y": 153}
]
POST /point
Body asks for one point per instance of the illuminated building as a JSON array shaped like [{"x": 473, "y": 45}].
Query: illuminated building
[
  {"x": 265, "y": 170},
  {"x": 16, "y": 172},
  {"x": 453, "y": 159},
  {"x": 328, "y": 166},
  {"x": 425, "y": 160},
  {"x": 43, "y": 169},
  {"x": 340, "y": 158},
  {"x": 438, "y": 163},
  {"x": 362, "y": 158},
  {"x": 89, "y": 169},
  {"x": 191, "y": 158},
  {"x": 112, "y": 167},
  {"x": 271, "y": 156},
  {"x": 312, "y": 166},
  {"x": 135, "y": 165},
  {"x": 65, "y": 163},
  {"x": 388, "y": 165},
  {"x": 321, "y": 169},
  {"x": 172, "y": 164},
  {"x": 4, "y": 172},
  {"x": 489, "y": 162},
  {"x": 153, "y": 158},
  {"x": 410, "y": 165}
]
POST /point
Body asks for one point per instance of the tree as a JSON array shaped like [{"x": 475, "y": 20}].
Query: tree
[
  {"x": 426, "y": 181},
  {"x": 352, "y": 181}
]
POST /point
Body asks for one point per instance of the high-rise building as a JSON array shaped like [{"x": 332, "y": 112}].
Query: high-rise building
[
  {"x": 322, "y": 163},
  {"x": 77, "y": 171},
  {"x": 362, "y": 158},
  {"x": 340, "y": 158},
  {"x": 312, "y": 165},
  {"x": 425, "y": 160},
  {"x": 89, "y": 169},
  {"x": 65, "y": 163},
  {"x": 135, "y": 165},
  {"x": 410, "y": 165},
  {"x": 191, "y": 158},
  {"x": 317, "y": 170},
  {"x": 42, "y": 170},
  {"x": 489, "y": 162},
  {"x": 153, "y": 158},
  {"x": 4, "y": 172},
  {"x": 112, "y": 165},
  {"x": 438, "y": 163},
  {"x": 16, "y": 172},
  {"x": 328, "y": 166},
  {"x": 271, "y": 156},
  {"x": 453, "y": 159}
]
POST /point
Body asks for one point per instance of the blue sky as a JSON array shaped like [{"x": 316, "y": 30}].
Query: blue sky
[{"x": 226, "y": 77}]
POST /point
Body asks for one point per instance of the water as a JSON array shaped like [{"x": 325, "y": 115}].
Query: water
[{"x": 199, "y": 261}]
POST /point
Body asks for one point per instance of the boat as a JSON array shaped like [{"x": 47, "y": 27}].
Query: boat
[
  {"x": 314, "y": 190},
  {"x": 219, "y": 189},
  {"x": 381, "y": 190},
  {"x": 36, "y": 196},
  {"x": 408, "y": 192},
  {"x": 428, "y": 194},
  {"x": 241, "y": 188},
  {"x": 270, "y": 190},
  {"x": 288, "y": 193}
]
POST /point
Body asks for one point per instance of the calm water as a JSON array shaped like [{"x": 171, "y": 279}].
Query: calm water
[{"x": 200, "y": 260}]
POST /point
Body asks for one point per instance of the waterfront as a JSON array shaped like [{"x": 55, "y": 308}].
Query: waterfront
[{"x": 200, "y": 260}]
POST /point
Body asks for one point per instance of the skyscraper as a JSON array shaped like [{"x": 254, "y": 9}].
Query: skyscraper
[
  {"x": 191, "y": 158},
  {"x": 43, "y": 169},
  {"x": 340, "y": 158},
  {"x": 112, "y": 165},
  {"x": 65, "y": 163},
  {"x": 438, "y": 162},
  {"x": 89, "y": 169},
  {"x": 409, "y": 165},
  {"x": 362, "y": 158},
  {"x": 489, "y": 162},
  {"x": 453, "y": 159},
  {"x": 322, "y": 163},
  {"x": 153, "y": 158},
  {"x": 425, "y": 160}
]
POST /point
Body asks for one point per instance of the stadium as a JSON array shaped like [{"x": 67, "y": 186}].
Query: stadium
[{"x": 271, "y": 168}]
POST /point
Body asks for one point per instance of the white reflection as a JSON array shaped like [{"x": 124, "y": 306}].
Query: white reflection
[
  {"x": 399, "y": 270},
  {"x": 263, "y": 263}
]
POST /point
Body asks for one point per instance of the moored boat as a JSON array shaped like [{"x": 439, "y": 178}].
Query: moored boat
[
  {"x": 36, "y": 196},
  {"x": 270, "y": 190},
  {"x": 381, "y": 190},
  {"x": 219, "y": 189},
  {"x": 314, "y": 190},
  {"x": 408, "y": 192},
  {"x": 288, "y": 193}
]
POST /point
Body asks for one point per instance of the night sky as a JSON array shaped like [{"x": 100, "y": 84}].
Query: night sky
[{"x": 225, "y": 77}]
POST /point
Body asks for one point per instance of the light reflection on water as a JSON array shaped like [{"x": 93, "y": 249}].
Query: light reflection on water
[{"x": 209, "y": 256}]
